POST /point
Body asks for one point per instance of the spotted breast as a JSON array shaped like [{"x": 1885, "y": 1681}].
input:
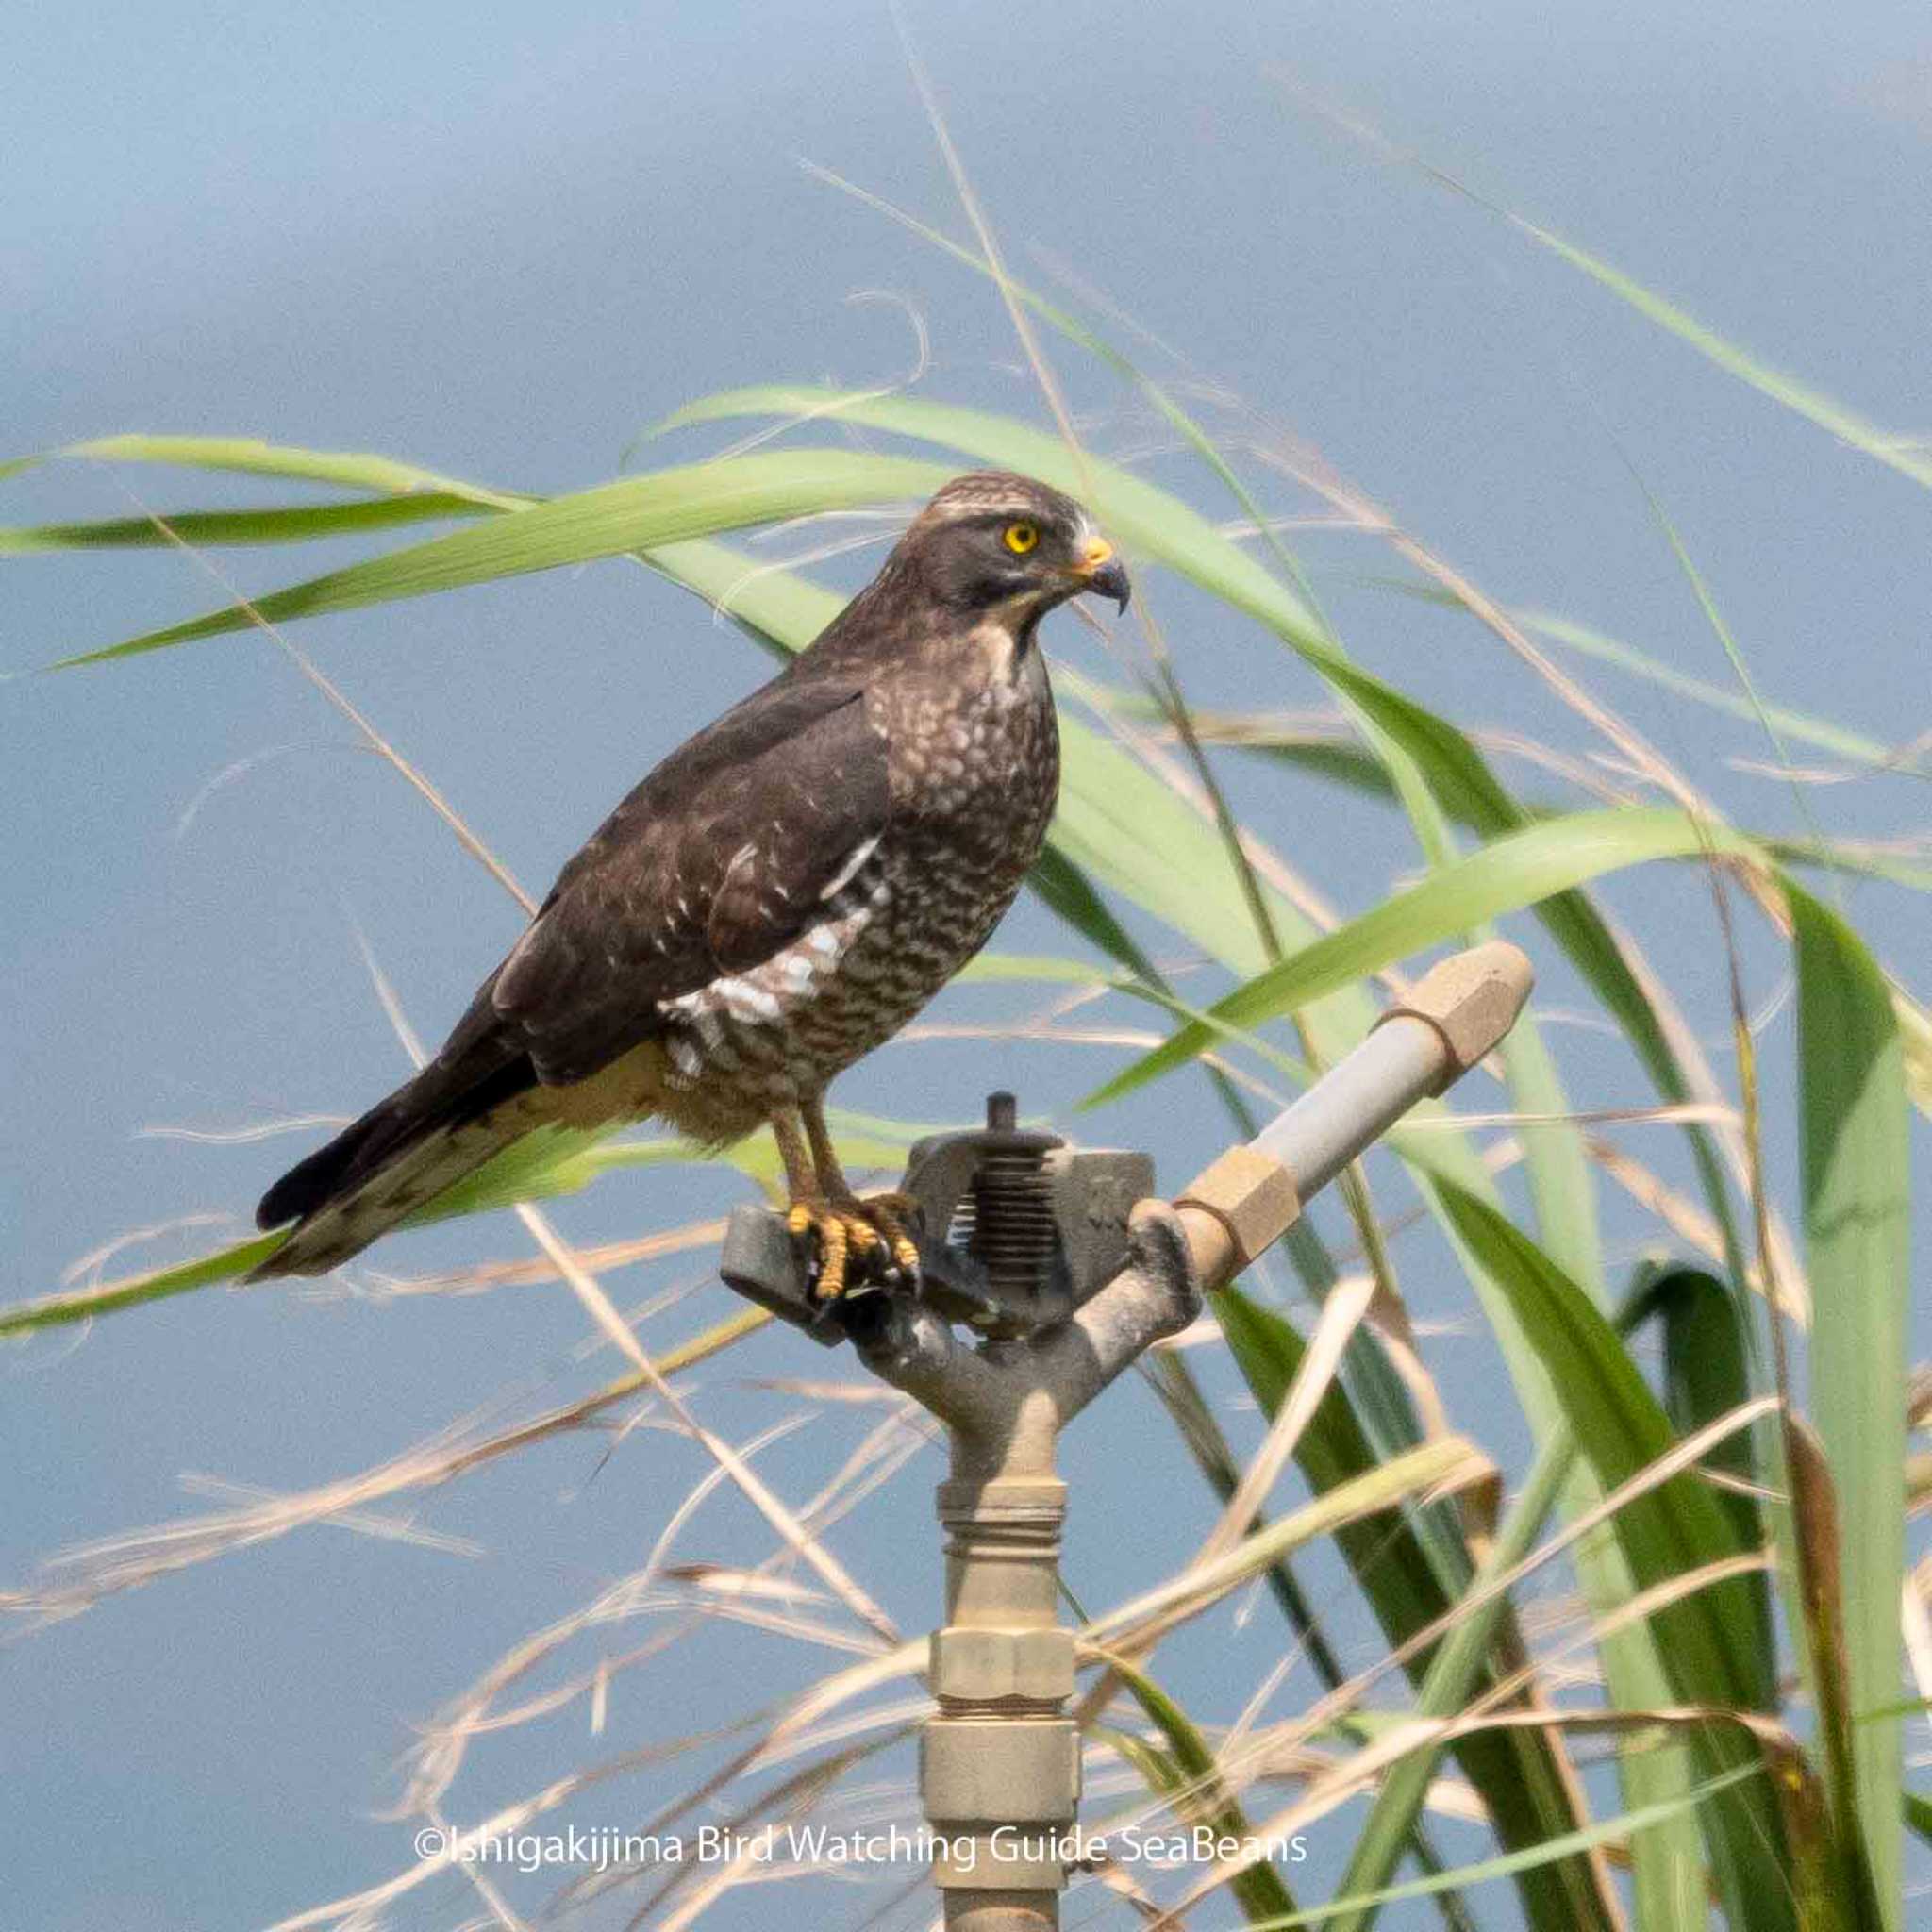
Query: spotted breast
[{"x": 975, "y": 778}]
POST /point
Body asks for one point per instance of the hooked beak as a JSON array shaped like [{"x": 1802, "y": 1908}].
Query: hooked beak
[{"x": 1100, "y": 571}]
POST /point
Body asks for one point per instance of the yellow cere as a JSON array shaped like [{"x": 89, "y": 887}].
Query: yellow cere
[{"x": 1021, "y": 538}]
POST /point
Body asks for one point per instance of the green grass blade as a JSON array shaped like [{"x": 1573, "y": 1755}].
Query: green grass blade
[
  {"x": 1413, "y": 1567},
  {"x": 209, "y": 528},
  {"x": 634, "y": 513},
  {"x": 1514, "y": 872},
  {"x": 1707, "y": 1642},
  {"x": 1667, "y": 1868},
  {"x": 1186, "y": 1774},
  {"x": 1607, "y": 1832},
  {"x": 1918, "y": 1814},
  {"x": 1066, "y": 891},
  {"x": 1035, "y": 969},
  {"x": 1708, "y": 1373},
  {"x": 1454, "y": 1675},
  {"x": 1836, "y": 856},
  {"x": 1856, "y": 1191},
  {"x": 1323, "y": 755},
  {"x": 248, "y": 456},
  {"x": 1470, "y": 791},
  {"x": 84, "y": 1303}
]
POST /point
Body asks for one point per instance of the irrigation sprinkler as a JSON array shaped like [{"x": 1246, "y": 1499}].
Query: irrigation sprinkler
[{"x": 1045, "y": 1271}]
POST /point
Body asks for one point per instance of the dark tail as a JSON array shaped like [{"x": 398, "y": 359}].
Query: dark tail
[
  {"x": 397, "y": 1157},
  {"x": 313, "y": 1183}
]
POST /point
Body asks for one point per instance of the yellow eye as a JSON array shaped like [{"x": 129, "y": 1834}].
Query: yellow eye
[{"x": 1021, "y": 538}]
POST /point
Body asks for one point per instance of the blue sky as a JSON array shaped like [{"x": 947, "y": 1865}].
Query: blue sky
[{"x": 502, "y": 242}]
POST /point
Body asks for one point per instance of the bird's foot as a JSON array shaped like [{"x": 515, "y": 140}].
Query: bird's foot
[{"x": 858, "y": 1242}]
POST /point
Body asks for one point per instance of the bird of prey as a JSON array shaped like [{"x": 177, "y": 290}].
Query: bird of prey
[{"x": 777, "y": 898}]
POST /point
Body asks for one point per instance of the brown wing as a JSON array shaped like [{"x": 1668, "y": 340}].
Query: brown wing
[{"x": 715, "y": 862}]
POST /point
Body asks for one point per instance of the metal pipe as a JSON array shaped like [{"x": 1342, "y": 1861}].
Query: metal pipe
[
  {"x": 1356, "y": 1105},
  {"x": 1458, "y": 1012}
]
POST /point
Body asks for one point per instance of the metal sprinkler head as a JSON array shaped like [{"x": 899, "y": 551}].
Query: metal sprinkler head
[
  {"x": 1015, "y": 1231},
  {"x": 1067, "y": 1270}
]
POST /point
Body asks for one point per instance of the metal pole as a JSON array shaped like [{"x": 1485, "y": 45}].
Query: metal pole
[{"x": 1000, "y": 1763}]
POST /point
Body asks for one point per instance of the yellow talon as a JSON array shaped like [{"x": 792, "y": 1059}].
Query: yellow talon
[
  {"x": 848, "y": 1230},
  {"x": 883, "y": 1212},
  {"x": 831, "y": 1282}
]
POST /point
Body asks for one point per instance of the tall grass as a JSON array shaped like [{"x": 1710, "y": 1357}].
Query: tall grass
[{"x": 1739, "y": 1552}]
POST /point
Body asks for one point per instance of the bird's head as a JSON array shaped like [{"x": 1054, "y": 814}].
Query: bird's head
[{"x": 995, "y": 544}]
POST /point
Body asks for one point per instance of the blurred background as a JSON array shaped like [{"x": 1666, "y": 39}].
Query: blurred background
[{"x": 503, "y": 243}]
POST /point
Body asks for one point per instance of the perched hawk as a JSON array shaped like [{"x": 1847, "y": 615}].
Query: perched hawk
[{"x": 777, "y": 898}]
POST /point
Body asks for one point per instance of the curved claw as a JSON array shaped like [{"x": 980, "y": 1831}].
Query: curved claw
[{"x": 857, "y": 1237}]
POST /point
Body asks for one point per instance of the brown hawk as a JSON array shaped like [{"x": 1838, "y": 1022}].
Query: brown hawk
[{"x": 777, "y": 898}]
